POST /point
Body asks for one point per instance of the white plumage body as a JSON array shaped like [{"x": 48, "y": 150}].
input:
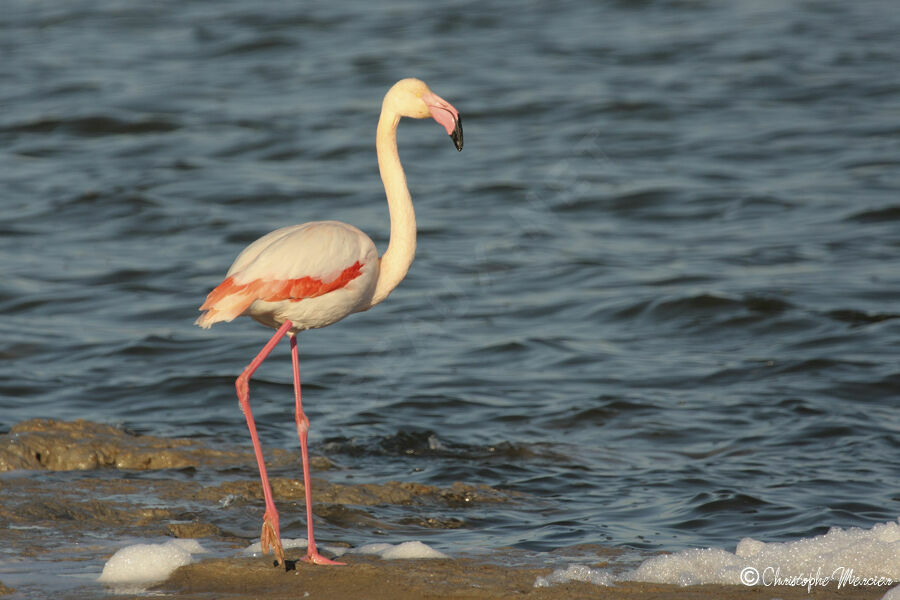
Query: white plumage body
[{"x": 314, "y": 256}]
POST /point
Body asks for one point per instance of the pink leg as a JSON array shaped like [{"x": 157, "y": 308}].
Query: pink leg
[
  {"x": 270, "y": 535},
  {"x": 312, "y": 554}
]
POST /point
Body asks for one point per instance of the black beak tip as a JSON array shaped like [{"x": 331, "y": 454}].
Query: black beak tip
[{"x": 457, "y": 135}]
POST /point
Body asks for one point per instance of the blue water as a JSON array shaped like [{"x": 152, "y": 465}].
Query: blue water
[{"x": 656, "y": 292}]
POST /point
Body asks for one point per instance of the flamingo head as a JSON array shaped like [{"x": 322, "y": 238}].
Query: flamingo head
[{"x": 412, "y": 98}]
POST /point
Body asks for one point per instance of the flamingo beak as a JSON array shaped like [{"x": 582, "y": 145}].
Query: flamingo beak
[
  {"x": 457, "y": 136},
  {"x": 444, "y": 113}
]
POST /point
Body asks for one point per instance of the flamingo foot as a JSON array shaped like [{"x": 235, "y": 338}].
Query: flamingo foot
[
  {"x": 269, "y": 538},
  {"x": 317, "y": 559}
]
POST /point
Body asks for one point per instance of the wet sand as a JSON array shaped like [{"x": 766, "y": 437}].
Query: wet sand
[
  {"x": 455, "y": 578},
  {"x": 69, "y": 489}
]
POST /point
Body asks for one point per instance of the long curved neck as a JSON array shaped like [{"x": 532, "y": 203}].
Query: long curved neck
[{"x": 402, "y": 247}]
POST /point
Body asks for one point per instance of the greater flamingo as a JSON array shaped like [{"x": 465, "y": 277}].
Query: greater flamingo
[{"x": 312, "y": 275}]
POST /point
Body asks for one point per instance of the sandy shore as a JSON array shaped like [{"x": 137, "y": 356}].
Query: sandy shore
[
  {"x": 460, "y": 578},
  {"x": 66, "y": 486}
]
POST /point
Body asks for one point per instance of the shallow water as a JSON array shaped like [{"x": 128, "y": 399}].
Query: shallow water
[{"x": 656, "y": 291}]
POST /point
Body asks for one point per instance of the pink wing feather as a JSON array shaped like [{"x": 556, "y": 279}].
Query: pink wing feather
[{"x": 292, "y": 264}]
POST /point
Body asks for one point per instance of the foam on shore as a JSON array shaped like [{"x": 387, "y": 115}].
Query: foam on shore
[
  {"x": 842, "y": 557},
  {"x": 144, "y": 564},
  {"x": 854, "y": 552},
  {"x": 404, "y": 550}
]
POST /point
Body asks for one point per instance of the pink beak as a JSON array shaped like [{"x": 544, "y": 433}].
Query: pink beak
[{"x": 444, "y": 113}]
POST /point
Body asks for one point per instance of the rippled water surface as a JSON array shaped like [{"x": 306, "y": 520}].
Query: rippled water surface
[{"x": 657, "y": 291}]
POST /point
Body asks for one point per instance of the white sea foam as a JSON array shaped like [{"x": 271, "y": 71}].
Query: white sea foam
[
  {"x": 846, "y": 557},
  {"x": 863, "y": 553},
  {"x": 405, "y": 550},
  {"x": 576, "y": 573},
  {"x": 255, "y": 549},
  {"x": 143, "y": 564}
]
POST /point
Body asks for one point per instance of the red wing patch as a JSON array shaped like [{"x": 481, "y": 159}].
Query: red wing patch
[
  {"x": 307, "y": 287},
  {"x": 236, "y": 297}
]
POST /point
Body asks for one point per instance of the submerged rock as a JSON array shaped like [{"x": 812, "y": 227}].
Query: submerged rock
[
  {"x": 193, "y": 530},
  {"x": 402, "y": 493},
  {"x": 81, "y": 445},
  {"x": 48, "y": 444}
]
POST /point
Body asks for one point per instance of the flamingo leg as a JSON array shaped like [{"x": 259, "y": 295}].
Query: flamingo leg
[
  {"x": 270, "y": 535},
  {"x": 312, "y": 554}
]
